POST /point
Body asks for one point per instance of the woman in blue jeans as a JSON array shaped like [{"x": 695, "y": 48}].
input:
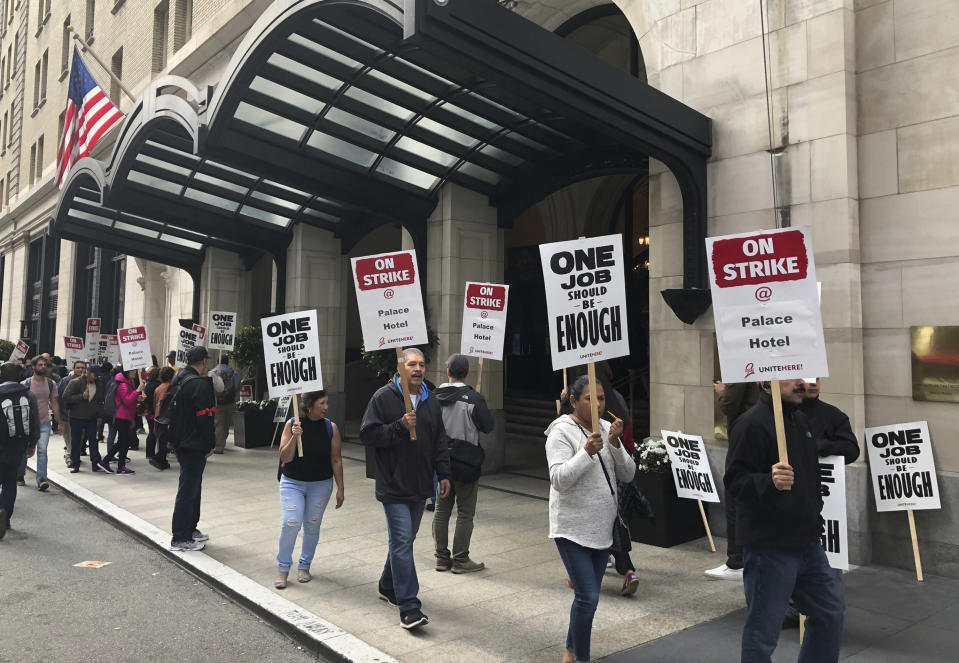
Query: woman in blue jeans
[
  {"x": 583, "y": 469},
  {"x": 306, "y": 482}
]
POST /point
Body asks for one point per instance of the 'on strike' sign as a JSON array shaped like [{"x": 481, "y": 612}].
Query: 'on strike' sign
[
  {"x": 484, "y": 320},
  {"x": 902, "y": 466},
  {"x": 389, "y": 299},
  {"x": 766, "y": 306},
  {"x": 585, "y": 300},
  {"x": 690, "y": 467},
  {"x": 134, "y": 348},
  {"x": 291, "y": 347}
]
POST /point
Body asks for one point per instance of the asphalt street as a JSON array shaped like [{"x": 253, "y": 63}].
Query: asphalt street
[{"x": 139, "y": 607}]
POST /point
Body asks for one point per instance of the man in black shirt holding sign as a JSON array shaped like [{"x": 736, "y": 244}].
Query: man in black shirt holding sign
[{"x": 778, "y": 522}]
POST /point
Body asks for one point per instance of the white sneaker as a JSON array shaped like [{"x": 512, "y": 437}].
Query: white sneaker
[
  {"x": 724, "y": 573},
  {"x": 180, "y": 546}
]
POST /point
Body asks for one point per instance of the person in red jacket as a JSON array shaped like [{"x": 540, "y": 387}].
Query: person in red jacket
[{"x": 127, "y": 397}]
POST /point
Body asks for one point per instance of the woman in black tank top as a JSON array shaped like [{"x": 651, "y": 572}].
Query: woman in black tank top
[{"x": 306, "y": 483}]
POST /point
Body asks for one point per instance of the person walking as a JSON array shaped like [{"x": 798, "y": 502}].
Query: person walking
[
  {"x": 65, "y": 408},
  {"x": 159, "y": 459},
  {"x": 19, "y": 434},
  {"x": 84, "y": 398},
  {"x": 583, "y": 468},
  {"x": 193, "y": 443},
  {"x": 404, "y": 476},
  {"x": 465, "y": 416},
  {"x": 147, "y": 407},
  {"x": 127, "y": 396},
  {"x": 306, "y": 482},
  {"x": 225, "y": 401},
  {"x": 45, "y": 391},
  {"x": 778, "y": 509}
]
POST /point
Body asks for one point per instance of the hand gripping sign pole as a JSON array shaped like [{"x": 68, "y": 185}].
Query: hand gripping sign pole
[
  {"x": 299, "y": 440},
  {"x": 780, "y": 426}
]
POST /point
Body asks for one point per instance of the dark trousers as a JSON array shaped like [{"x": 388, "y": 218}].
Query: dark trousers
[
  {"x": 151, "y": 439},
  {"x": 77, "y": 428},
  {"x": 186, "y": 509},
  {"x": 124, "y": 428},
  {"x": 9, "y": 465},
  {"x": 770, "y": 577},
  {"x": 734, "y": 551}
]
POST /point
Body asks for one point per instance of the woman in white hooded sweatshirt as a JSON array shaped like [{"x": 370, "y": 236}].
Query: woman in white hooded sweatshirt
[{"x": 581, "y": 506}]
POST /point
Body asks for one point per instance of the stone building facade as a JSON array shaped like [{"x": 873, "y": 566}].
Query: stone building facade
[{"x": 840, "y": 115}]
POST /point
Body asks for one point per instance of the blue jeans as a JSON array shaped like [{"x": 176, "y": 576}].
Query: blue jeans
[
  {"x": 303, "y": 504},
  {"x": 399, "y": 572},
  {"x": 585, "y": 568},
  {"x": 41, "y": 455},
  {"x": 770, "y": 577}
]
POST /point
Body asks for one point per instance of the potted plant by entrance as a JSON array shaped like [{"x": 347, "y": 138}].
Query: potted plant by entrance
[
  {"x": 674, "y": 520},
  {"x": 253, "y": 419}
]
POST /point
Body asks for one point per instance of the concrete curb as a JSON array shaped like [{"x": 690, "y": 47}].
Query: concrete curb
[{"x": 316, "y": 634}]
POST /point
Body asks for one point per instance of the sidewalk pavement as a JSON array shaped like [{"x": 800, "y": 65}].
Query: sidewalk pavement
[{"x": 516, "y": 610}]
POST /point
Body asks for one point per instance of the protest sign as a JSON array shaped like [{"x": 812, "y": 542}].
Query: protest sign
[
  {"x": 222, "y": 330},
  {"x": 390, "y": 300},
  {"x": 484, "y": 320},
  {"x": 108, "y": 349},
  {"x": 246, "y": 393},
  {"x": 585, "y": 300},
  {"x": 19, "y": 351},
  {"x": 282, "y": 409},
  {"x": 291, "y": 348},
  {"x": 134, "y": 348},
  {"x": 902, "y": 466},
  {"x": 201, "y": 330},
  {"x": 92, "y": 339},
  {"x": 766, "y": 306},
  {"x": 834, "y": 533},
  {"x": 74, "y": 351},
  {"x": 187, "y": 339},
  {"x": 690, "y": 466}
]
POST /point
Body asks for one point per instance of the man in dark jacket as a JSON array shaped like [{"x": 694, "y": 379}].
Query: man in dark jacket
[
  {"x": 778, "y": 509},
  {"x": 465, "y": 416},
  {"x": 404, "y": 476},
  {"x": 13, "y": 448},
  {"x": 194, "y": 440},
  {"x": 84, "y": 400},
  {"x": 829, "y": 425}
]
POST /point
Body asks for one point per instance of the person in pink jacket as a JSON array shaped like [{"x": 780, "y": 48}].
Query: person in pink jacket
[{"x": 126, "y": 401}]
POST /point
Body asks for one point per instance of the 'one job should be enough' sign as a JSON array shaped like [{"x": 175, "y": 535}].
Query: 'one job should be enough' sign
[
  {"x": 585, "y": 300},
  {"x": 291, "y": 348}
]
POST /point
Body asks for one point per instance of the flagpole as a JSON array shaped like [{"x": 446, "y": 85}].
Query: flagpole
[{"x": 113, "y": 77}]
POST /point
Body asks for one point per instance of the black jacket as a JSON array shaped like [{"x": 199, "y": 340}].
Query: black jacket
[
  {"x": 765, "y": 516},
  {"x": 79, "y": 408},
  {"x": 404, "y": 467},
  {"x": 12, "y": 451},
  {"x": 196, "y": 407},
  {"x": 736, "y": 399},
  {"x": 465, "y": 413},
  {"x": 831, "y": 429}
]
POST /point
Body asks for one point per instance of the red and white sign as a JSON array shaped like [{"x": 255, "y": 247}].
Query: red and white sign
[
  {"x": 92, "y": 338},
  {"x": 766, "y": 306},
  {"x": 74, "y": 352},
  {"x": 246, "y": 393},
  {"x": 134, "y": 348},
  {"x": 390, "y": 300},
  {"x": 201, "y": 330},
  {"x": 484, "y": 320},
  {"x": 20, "y": 351}
]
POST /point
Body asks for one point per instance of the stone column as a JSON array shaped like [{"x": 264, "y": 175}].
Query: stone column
[
  {"x": 464, "y": 243},
  {"x": 315, "y": 279}
]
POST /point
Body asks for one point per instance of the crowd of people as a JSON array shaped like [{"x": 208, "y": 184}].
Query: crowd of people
[{"x": 432, "y": 451}]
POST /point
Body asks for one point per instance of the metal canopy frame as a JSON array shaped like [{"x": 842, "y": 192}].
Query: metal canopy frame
[{"x": 348, "y": 114}]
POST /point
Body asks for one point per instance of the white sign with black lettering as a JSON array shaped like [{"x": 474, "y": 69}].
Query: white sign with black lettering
[
  {"x": 903, "y": 468},
  {"x": 74, "y": 350},
  {"x": 585, "y": 300},
  {"x": 689, "y": 465},
  {"x": 187, "y": 339},
  {"x": 92, "y": 339},
  {"x": 766, "y": 305},
  {"x": 390, "y": 300},
  {"x": 282, "y": 409},
  {"x": 108, "y": 349},
  {"x": 291, "y": 347},
  {"x": 222, "y": 330},
  {"x": 833, "y": 532},
  {"x": 484, "y": 320}
]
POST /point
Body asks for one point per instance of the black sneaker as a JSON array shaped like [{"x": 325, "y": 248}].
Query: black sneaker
[
  {"x": 43, "y": 486},
  {"x": 21, "y": 482},
  {"x": 74, "y": 470},
  {"x": 157, "y": 463},
  {"x": 95, "y": 468},
  {"x": 413, "y": 619},
  {"x": 3, "y": 523},
  {"x": 389, "y": 596},
  {"x": 105, "y": 466}
]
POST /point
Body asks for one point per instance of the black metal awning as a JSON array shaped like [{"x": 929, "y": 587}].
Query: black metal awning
[{"x": 346, "y": 115}]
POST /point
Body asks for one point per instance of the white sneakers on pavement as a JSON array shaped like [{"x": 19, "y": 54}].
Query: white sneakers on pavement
[{"x": 724, "y": 573}]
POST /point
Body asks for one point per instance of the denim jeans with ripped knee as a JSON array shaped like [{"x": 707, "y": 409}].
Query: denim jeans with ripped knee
[{"x": 302, "y": 504}]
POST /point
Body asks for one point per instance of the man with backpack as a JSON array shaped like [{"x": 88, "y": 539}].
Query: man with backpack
[
  {"x": 19, "y": 433},
  {"x": 189, "y": 410},
  {"x": 45, "y": 391},
  {"x": 225, "y": 401}
]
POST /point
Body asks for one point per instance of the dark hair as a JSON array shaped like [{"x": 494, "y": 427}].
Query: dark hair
[
  {"x": 152, "y": 373},
  {"x": 167, "y": 373},
  {"x": 11, "y": 371},
  {"x": 57, "y": 360},
  {"x": 116, "y": 369},
  {"x": 307, "y": 401},
  {"x": 580, "y": 385},
  {"x": 225, "y": 359},
  {"x": 79, "y": 361}
]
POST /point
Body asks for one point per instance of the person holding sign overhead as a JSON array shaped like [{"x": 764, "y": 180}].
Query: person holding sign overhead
[
  {"x": 583, "y": 468},
  {"x": 404, "y": 475},
  {"x": 778, "y": 508}
]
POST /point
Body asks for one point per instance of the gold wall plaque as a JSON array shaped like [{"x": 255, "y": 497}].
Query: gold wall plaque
[{"x": 935, "y": 363}]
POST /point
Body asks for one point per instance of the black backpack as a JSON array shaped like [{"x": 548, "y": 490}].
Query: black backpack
[
  {"x": 170, "y": 417},
  {"x": 15, "y": 415},
  {"x": 110, "y": 401}
]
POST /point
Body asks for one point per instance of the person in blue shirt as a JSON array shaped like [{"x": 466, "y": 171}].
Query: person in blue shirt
[{"x": 225, "y": 400}]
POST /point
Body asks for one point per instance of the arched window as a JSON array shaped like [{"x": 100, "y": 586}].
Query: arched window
[{"x": 605, "y": 32}]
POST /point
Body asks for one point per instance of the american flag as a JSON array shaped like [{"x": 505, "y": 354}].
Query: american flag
[{"x": 88, "y": 116}]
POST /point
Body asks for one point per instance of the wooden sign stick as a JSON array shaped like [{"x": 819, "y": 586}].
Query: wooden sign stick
[
  {"x": 219, "y": 357},
  {"x": 296, "y": 411},
  {"x": 479, "y": 377},
  {"x": 802, "y": 627},
  {"x": 401, "y": 370},
  {"x": 593, "y": 405},
  {"x": 780, "y": 427},
  {"x": 275, "y": 431},
  {"x": 702, "y": 512},
  {"x": 915, "y": 544}
]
